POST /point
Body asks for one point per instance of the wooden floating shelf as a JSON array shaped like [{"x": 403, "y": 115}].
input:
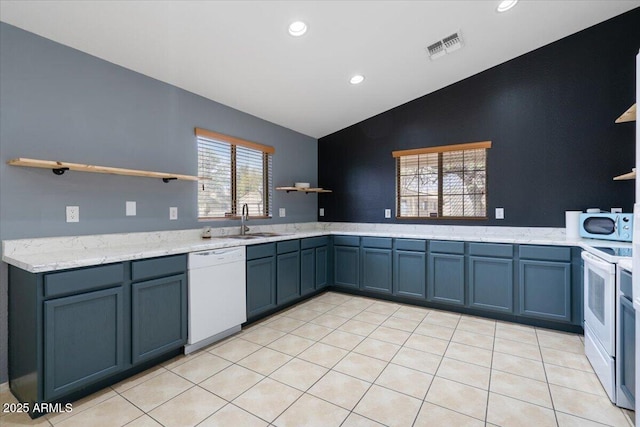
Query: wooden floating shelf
[
  {"x": 626, "y": 176},
  {"x": 628, "y": 116},
  {"x": 59, "y": 168},
  {"x": 306, "y": 190}
]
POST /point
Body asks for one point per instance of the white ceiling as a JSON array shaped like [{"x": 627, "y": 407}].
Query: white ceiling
[{"x": 239, "y": 52}]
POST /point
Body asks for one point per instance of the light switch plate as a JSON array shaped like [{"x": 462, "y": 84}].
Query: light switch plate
[
  {"x": 282, "y": 212},
  {"x": 73, "y": 213},
  {"x": 321, "y": 211},
  {"x": 387, "y": 213},
  {"x": 130, "y": 208},
  {"x": 499, "y": 213},
  {"x": 173, "y": 213}
]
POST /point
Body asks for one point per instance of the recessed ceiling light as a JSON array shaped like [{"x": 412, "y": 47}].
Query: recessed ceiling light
[
  {"x": 506, "y": 5},
  {"x": 357, "y": 79},
  {"x": 297, "y": 28}
]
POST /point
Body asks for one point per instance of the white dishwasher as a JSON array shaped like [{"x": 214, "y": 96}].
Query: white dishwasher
[{"x": 217, "y": 295}]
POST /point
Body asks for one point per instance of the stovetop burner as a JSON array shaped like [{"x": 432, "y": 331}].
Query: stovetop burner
[{"x": 619, "y": 252}]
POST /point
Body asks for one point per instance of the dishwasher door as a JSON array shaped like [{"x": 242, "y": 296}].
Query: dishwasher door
[{"x": 217, "y": 295}]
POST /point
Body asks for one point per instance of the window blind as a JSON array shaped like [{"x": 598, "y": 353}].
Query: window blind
[
  {"x": 442, "y": 182},
  {"x": 233, "y": 173}
]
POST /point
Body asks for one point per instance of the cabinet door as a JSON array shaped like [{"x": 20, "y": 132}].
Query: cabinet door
[
  {"x": 627, "y": 334},
  {"x": 158, "y": 316},
  {"x": 376, "y": 270},
  {"x": 322, "y": 267},
  {"x": 409, "y": 274},
  {"x": 307, "y": 271},
  {"x": 545, "y": 290},
  {"x": 491, "y": 284},
  {"x": 83, "y": 340},
  {"x": 347, "y": 266},
  {"x": 446, "y": 278},
  {"x": 261, "y": 285},
  {"x": 288, "y": 277}
]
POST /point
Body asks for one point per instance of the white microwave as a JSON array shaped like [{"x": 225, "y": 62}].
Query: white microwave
[{"x": 607, "y": 226}]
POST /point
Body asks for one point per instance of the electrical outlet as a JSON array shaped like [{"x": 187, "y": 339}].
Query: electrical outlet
[
  {"x": 321, "y": 211},
  {"x": 499, "y": 213},
  {"x": 387, "y": 213},
  {"x": 173, "y": 213},
  {"x": 130, "y": 208},
  {"x": 73, "y": 213},
  {"x": 282, "y": 212}
]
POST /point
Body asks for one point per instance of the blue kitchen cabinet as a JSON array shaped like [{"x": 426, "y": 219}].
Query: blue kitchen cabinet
[
  {"x": 74, "y": 331},
  {"x": 544, "y": 283},
  {"x": 313, "y": 264},
  {"x": 346, "y": 259},
  {"x": 490, "y": 276},
  {"x": 377, "y": 263},
  {"x": 83, "y": 340},
  {"x": 288, "y": 271},
  {"x": 446, "y": 279},
  {"x": 158, "y": 316},
  {"x": 261, "y": 278},
  {"x": 410, "y": 268},
  {"x": 626, "y": 350},
  {"x": 158, "y": 306}
]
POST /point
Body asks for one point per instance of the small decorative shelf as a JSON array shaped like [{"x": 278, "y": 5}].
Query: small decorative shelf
[
  {"x": 306, "y": 190},
  {"x": 59, "y": 168},
  {"x": 626, "y": 176},
  {"x": 628, "y": 116}
]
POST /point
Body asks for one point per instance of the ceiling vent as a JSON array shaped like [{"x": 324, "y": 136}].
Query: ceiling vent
[{"x": 446, "y": 45}]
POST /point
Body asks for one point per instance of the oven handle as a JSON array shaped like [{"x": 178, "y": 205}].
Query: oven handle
[{"x": 597, "y": 261}]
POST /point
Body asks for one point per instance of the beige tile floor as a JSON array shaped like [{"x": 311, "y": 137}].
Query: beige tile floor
[{"x": 341, "y": 360}]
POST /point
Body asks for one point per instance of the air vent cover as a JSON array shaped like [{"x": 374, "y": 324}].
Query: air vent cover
[{"x": 446, "y": 45}]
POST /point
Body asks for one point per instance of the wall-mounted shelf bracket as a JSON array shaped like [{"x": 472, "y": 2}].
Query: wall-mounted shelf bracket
[{"x": 59, "y": 171}]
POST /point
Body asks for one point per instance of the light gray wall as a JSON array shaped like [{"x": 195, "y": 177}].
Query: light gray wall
[{"x": 58, "y": 103}]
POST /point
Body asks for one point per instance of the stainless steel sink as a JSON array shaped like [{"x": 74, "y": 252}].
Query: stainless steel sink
[{"x": 256, "y": 235}]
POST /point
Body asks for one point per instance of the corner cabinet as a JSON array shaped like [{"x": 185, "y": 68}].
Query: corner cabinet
[
  {"x": 314, "y": 264},
  {"x": 73, "y": 331}
]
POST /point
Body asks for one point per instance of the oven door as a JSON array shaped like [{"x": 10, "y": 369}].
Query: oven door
[{"x": 599, "y": 300}]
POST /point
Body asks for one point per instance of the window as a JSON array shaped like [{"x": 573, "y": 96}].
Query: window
[
  {"x": 233, "y": 172},
  {"x": 442, "y": 182}
]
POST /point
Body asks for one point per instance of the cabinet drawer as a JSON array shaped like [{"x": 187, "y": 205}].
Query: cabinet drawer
[
  {"x": 446, "y": 247},
  {"x": 314, "y": 242},
  {"x": 346, "y": 240},
  {"x": 491, "y": 249},
  {"x": 288, "y": 246},
  {"x": 76, "y": 281},
  {"x": 377, "y": 242},
  {"x": 411, "y": 245},
  {"x": 549, "y": 253},
  {"x": 158, "y": 267},
  {"x": 261, "y": 251}
]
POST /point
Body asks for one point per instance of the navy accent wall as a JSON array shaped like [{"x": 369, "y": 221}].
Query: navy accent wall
[{"x": 550, "y": 114}]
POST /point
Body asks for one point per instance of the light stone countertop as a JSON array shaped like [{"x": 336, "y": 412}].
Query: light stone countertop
[{"x": 59, "y": 253}]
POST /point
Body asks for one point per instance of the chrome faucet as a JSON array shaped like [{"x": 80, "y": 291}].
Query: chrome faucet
[{"x": 244, "y": 218}]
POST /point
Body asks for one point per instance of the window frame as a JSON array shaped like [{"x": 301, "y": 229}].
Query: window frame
[
  {"x": 267, "y": 175},
  {"x": 440, "y": 150}
]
